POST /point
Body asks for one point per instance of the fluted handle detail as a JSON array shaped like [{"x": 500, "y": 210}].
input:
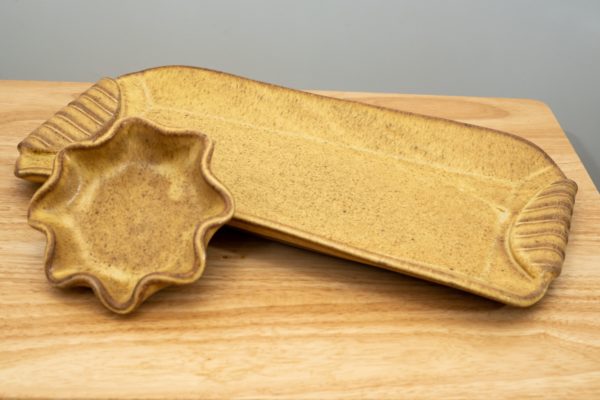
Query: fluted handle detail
[
  {"x": 88, "y": 116},
  {"x": 540, "y": 232}
]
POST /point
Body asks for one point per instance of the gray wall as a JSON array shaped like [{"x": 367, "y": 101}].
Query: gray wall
[{"x": 548, "y": 50}]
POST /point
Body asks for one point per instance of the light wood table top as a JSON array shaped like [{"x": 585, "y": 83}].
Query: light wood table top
[{"x": 272, "y": 321}]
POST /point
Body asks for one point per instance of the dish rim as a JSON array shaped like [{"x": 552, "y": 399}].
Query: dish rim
[{"x": 153, "y": 281}]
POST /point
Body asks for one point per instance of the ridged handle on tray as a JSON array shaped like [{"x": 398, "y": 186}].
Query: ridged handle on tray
[
  {"x": 86, "y": 117},
  {"x": 539, "y": 235}
]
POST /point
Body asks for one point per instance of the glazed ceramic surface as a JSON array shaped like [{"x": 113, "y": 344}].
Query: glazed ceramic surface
[
  {"x": 130, "y": 213},
  {"x": 469, "y": 207}
]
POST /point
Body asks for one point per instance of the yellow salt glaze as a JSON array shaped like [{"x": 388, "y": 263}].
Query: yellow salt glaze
[
  {"x": 469, "y": 207},
  {"x": 130, "y": 213}
]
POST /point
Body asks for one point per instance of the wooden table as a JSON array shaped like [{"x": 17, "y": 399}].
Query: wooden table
[{"x": 269, "y": 320}]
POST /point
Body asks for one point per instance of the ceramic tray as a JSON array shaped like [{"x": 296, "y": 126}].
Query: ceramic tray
[
  {"x": 130, "y": 213},
  {"x": 469, "y": 207}
]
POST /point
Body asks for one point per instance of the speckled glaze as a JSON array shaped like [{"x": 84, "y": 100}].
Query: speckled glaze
[
  {"x": 469, "y": 207},
  {"x": 131, "y": 212}
]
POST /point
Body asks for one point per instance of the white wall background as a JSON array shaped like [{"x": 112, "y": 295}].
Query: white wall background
[{"x": 543, "y": 49}]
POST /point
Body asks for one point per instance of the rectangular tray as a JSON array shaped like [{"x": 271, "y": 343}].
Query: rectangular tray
[{"x": 465, "y": 206}]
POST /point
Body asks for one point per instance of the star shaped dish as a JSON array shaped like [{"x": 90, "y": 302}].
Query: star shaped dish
[{"x": 131, "y": 212}]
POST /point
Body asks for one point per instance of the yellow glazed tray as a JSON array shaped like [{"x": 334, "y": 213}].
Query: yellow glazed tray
[
  {"x": 130, "y": 213},
  {"x": 465, "y": 206}
]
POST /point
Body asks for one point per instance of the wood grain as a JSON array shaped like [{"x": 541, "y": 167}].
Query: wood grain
[{"x": 272, "y": 321}]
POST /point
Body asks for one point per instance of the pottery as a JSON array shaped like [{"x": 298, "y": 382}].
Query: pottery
[
  {"x": 130, "y": 213},
  {"x": 465, "y": 206}
]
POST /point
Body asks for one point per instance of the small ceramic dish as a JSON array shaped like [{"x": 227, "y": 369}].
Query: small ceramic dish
[{"x": 131, "y": 212}]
